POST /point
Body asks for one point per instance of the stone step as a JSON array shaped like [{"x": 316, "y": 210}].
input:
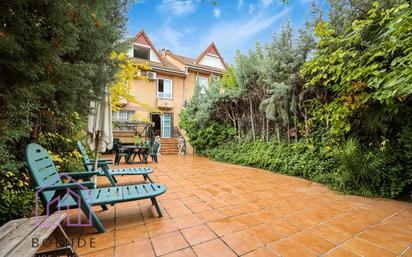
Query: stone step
[
  {"x": 168, "y": 143},
  {"x": 169, "y": 146},
  {"x": 169, "y": 152}
]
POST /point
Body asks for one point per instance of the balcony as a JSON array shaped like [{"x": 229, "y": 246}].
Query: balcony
[{"x": 165, "y": 103}]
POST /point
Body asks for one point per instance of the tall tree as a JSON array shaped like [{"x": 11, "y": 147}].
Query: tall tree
[{"x": 55, "y": 58}]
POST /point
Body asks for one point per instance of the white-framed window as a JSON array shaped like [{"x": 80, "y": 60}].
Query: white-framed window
[
  {"x": 164, "y": 88},
  {"x": 141, "y": 52},
  {"x": 203, "y": 83},
  {"x": 122, "y": 115}
]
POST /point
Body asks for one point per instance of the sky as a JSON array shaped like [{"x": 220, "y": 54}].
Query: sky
[{"x": 187, "y": 27}]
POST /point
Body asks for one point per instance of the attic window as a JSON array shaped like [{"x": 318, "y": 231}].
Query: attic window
[{"x": 141, "y": 52}]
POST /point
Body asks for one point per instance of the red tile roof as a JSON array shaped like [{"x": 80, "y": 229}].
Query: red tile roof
[{"x": 191, "y": 63}]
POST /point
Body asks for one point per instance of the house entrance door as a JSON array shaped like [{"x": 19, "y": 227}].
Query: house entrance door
[
  {"x": 167, "y": 125},
  {"x": 157, "y": 124}
]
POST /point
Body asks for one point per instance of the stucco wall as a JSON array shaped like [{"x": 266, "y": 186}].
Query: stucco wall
[{"x": 146, "y": 92}]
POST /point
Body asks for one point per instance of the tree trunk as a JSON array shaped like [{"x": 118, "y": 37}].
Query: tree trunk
[
  {"x": 288, "y": 133},
  {"x": 277, "y": 132},
  {"x": 267, "y": 129},
  {"x": 35, "y": 133},
  {"x": 251, "y": 119},
  {"x": 296, "y": 132},
  {"x": 296, "y": 128},
  {"x": 305, "y": 116}
]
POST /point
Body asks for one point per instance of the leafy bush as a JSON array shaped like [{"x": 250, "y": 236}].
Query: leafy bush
[
  {"x": 16, "y": 192},
  {"x": 350, "y": 168},
  {"x": 360, "y": 169},
  {"x": 63, "y": 152},
  {"x": 210, "y": 136},
  {"x": 298, "y": 159},
  {"x": 17, "y": 199},
  {"x": 62, "y": 144}
]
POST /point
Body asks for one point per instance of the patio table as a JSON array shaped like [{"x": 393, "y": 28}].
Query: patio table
[{"x": 133, "y": 150}]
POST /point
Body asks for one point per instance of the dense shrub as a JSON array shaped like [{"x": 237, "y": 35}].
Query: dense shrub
[
  {"x": 297, "y": 159},
  {"x": 349, "y": 168},
  {"x": 210, "y": 136},
  {"x": 16, "y": 196},
  {"x": 16, "y": 191}
]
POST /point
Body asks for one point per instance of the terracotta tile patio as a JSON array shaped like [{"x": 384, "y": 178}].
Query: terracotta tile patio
[{"x": 218, "y": 209}]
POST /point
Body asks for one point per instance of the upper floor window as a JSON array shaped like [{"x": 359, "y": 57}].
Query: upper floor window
[
  {"x": 122, "y": 115},
  {"x": 141, "y": 52},
  {"x": 203, "y": 83},
  {"x": 164, "y": 88}
]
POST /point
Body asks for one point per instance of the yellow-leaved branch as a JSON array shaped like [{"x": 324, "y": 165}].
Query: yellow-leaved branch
[{"x": 129, "y": 70}]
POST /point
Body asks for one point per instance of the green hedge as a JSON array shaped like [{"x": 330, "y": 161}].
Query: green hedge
[
  {"x": 295, "y": 159},
  {"x": 322, "y": 164}
]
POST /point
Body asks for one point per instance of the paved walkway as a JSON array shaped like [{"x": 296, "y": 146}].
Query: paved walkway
[{"x": 217, "y": 209}]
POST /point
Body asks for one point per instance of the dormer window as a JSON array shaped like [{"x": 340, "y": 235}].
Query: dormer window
[
  {"x": 141, "y": 52},
  {"x": 203, "y": 83}
]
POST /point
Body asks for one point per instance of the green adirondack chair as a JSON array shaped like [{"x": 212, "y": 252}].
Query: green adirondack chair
[
  {"x": 111, "y": 173},
  {"x": 155, "y": 152},
  {"x": 49, "y": 186}
]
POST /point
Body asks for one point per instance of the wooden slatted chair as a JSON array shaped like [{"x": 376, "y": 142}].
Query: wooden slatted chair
[
  {"x": 49, "y": 187},
  {"x": 154, "y": 152},
  {"x": 111, "y": 173}
]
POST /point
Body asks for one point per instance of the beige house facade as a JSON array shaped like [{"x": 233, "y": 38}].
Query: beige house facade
[{"x": 171, "y": 83}]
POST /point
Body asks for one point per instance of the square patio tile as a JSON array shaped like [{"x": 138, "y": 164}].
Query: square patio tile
[
  {"x": 341, "y": 252},
  {"x": 198, "y": 207},
  {"x": 103, "y": 253},
  {"x": 349, "y": 224},
  {"x": 284, "y": 227},
  {"x": 245, "y": 220},
  {"x": 313, "y": 242},
  {"x": 290, "y": 248},
  {"x": 241, "y": 242},
  {"x": 101, "y": 241},
  {"x": 130, "y": 234},
  {"x": 366, "y": 249},
  {"x": 393, "y": 238},
  {"x": 190, "y": 200},
  {"x": 127, "y": 211},
  {"x": 217, "y": 204},
  {"x": 187, "y": 221},
  {"x": 178, "y": 211},
  {"x": 172, "y": 203},
  {"x": 90, "y": 230},
  {"x": 331, "y": 233},
  {"x": 161, "y": 227},
  {"x": 210, "y": 215},
  {"x": 143, "y": 248},
  {"x": 169, "y": 243},
  {"x": 129, "y": 221},
  {"x": 213, "y": 248},
  {"x": 187, "y": 252},
  {"x": 261, "y": 252},
  {"x": 224, "y": 226},
  {"x": 230, "y": 211},
  {"x": 265, "y": 234},
  {"x": 198, "y": 234}
]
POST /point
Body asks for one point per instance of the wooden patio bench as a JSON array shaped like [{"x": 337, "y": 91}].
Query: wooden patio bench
[{"x": 23, "y": 237}]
